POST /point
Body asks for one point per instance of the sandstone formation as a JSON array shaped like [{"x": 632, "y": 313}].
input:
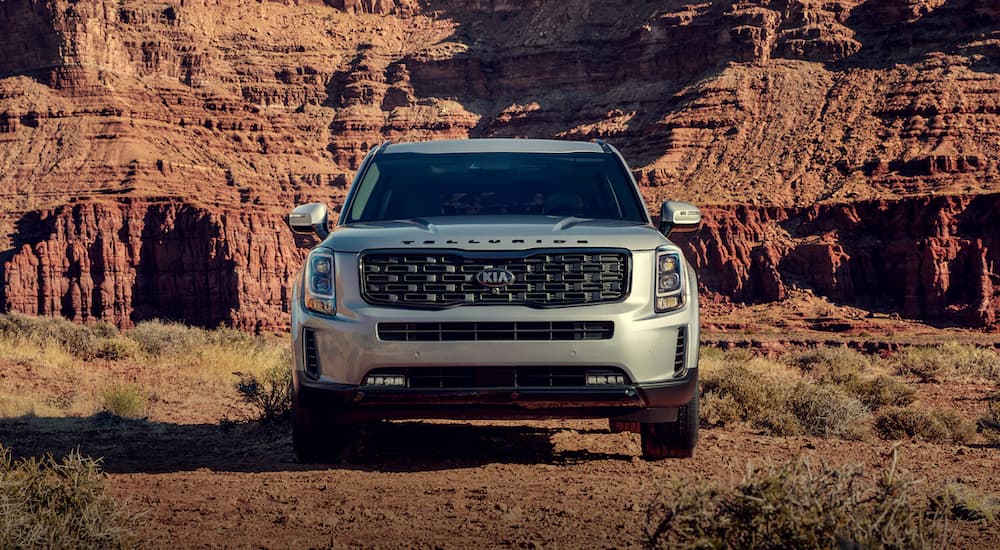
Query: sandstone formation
[{"x": 149, "y": 149}]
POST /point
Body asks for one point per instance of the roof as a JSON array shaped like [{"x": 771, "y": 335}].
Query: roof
[{"x": 494, "y": 145}]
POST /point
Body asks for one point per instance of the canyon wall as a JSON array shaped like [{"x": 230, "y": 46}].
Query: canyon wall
[{"x": 148, "y": 150}]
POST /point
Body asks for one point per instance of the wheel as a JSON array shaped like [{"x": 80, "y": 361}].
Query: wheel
[
  {"x": 315, "y": 438},
  {"x": 672, "y": 439}
]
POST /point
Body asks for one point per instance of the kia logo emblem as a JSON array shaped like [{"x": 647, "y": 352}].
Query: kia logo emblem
[{"x": 495, "y": 278}]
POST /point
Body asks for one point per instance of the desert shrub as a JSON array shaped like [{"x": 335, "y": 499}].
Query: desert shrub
[
  {"x": 965, "y": 503},
  {"x": 794, "y": 505},
  {"x": 948, "y": 360},
  {"x": 270, "y": 393},
  {"x": 768, "y": 396},
  {"x": 971, "y": 361},
  {"x": 78, "y": 340},
  {"x": 933, "y": 425},
  {"x": 990, "y": 422},
  {"x": 736, "y": 393},
  {"x": 881, "y": 391},
  {"x": 159, "y": 338},
  {"x": 51, "y": 503},
  {"x": 104, "y": 329},
  {"x": 835, "y": 365},
  {"x": 828, "y": 411},
  {"x": 124, "y": 400},
  {"x": 117, "y": 348}
]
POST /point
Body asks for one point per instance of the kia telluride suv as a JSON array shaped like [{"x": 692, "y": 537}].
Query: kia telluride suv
[{"x": 495, "y": 279}]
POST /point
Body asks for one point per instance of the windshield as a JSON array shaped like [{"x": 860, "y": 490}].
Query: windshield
[{"x": 403, "y": 186}]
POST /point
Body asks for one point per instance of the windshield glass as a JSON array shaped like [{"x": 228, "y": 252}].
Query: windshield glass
[{"x": 403, "y": 186}]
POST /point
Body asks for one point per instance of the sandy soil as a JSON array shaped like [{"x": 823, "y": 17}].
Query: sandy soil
[{"x": 565, "y": 484}]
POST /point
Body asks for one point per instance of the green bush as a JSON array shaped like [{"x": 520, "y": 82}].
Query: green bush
[
  {"x": 932, "y": 425},
  {"x": 270, "y": 394},
  {"x": 794, "y": 505},
  {"x": 124, "y": 400},
  {"x": 51, "y": 503}
]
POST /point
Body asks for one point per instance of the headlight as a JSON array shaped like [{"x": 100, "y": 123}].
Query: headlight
[
  {"x": 319, "y": 288},
  {"x": 669, "y": 293}
]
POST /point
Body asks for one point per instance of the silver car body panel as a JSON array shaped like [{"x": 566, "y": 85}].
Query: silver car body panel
[{"x": 644, "y": 344}]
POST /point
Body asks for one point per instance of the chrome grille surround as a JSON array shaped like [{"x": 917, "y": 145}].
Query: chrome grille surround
[{"x": 437, "y": 279}]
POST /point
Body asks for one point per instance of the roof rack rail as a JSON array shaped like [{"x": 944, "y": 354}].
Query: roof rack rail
[
  {"x": 382, "y": 147},
  {"x": 604, "y": 145}
]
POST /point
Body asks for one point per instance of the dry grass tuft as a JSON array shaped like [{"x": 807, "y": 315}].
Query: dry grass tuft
[
  {"x": 795, "y": 505},
  {"x": 966, "y": 503},
  {"x": 124, "y": 400},
  {"x": 932, "y": 425},
  {"x": 51, "y": 503}
]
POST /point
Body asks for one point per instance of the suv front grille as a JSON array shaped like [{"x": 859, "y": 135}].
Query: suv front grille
[
  {"x": 498, "y": 377},
  {"x": 541, "y": 279},
  {"x": 496, "y": 331}
]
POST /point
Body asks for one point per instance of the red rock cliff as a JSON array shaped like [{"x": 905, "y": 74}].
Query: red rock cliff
[{"x": 210, "y": 119}]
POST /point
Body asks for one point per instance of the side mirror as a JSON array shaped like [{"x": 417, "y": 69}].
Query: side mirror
[
  {"x": 309, "y": 218},
  {"x": 679, "y": 216}
]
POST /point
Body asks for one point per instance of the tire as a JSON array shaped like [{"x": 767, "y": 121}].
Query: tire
[
  {"x": 618, "y": 426},
  {"x": 672, "y": 439},
  {"x": 317, "y": 439}
]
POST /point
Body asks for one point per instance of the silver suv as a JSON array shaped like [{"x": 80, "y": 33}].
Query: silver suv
[{"x": 495, "y": 279}]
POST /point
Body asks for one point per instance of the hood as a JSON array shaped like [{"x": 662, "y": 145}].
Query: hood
[{"x": 494, "y": 233}]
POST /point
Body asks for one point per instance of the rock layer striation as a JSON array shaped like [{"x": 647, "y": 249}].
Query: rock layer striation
[{"x": 149, "y": 149}]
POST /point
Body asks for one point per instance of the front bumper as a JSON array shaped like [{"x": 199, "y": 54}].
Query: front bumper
[{"x": 350, "y": 403}]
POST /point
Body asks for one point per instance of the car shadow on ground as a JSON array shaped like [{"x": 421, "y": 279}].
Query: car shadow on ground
[{"x": 140, "y": 446}]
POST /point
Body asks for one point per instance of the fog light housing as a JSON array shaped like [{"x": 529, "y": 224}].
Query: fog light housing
[{"x": 392, "y": 380}]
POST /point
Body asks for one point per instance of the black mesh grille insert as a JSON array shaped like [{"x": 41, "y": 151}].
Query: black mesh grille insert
[
  {"x": 541, "y": 279},
  {"x": 498, "y": 377},
  {"x": 310, "y": 354},
  {"x": 496, "y": 331}
]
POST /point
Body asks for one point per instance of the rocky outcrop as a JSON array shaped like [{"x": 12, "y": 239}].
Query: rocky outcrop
[
  {"x": 208, "y": 118},
  {"x": 128, "y": 261},
  {"x": 931, "y": 258}
]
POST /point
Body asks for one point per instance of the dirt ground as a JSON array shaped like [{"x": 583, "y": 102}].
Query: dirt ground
[
  {"x": 551, "y": 484},
  {"x": 203, "y": 481}
]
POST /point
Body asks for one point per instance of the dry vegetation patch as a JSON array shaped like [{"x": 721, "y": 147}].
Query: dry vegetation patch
[
  {"x": 50, "y": 503},
  {"x": 846, "y": 394},
  {"x": 64, "y": 369},
  {"x": 768, "y": 395},
  {"x": 796, "y": 505}
]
